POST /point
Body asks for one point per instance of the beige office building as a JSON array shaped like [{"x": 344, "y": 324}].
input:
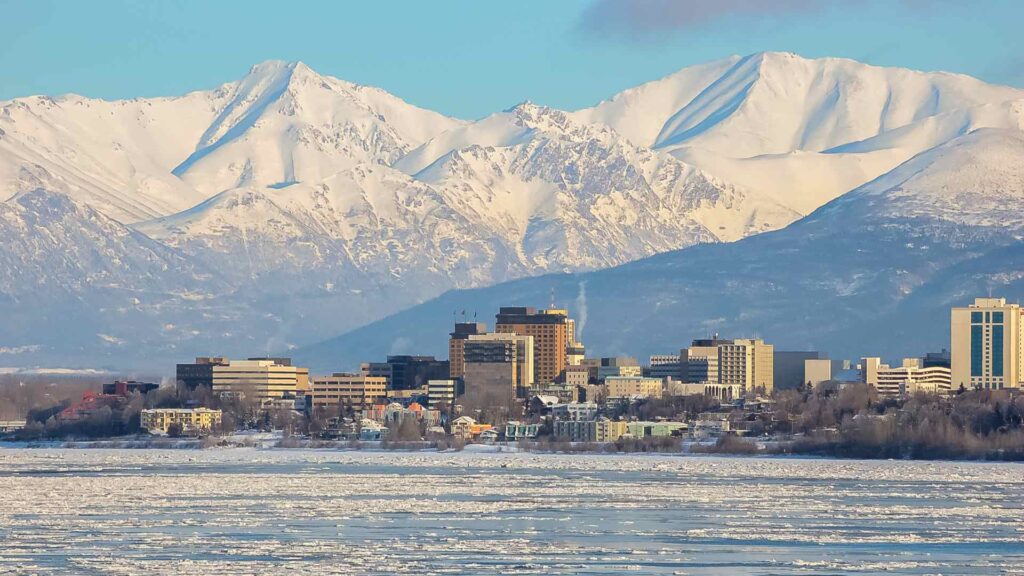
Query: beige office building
[
  {"x": 628, "y": 386},
  {"x": 356, "y": 391},
  {"x": 260, "y": 378},
  {"x": 747, "y": 363},
  {"x": 987, "y": 345}
]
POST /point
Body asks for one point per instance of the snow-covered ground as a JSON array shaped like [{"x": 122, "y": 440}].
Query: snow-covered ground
[{"x": 250, "y": 511}]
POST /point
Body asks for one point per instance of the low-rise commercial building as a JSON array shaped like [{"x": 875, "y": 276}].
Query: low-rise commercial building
[
  {"x": 655, "y": 429},
  {"x": 189, "y": 420},
  {"x": 911, "y": 378},
  {"x": 574, "y": 411},
  {"x": 630, "y": 386},
  {"x": 260, "y": 379},
  {"x": 354, "y": 391}
]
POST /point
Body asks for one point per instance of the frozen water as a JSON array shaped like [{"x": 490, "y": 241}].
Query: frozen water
[{"x": 243, "y": 511}]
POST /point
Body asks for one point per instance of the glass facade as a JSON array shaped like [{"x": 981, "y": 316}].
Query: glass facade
[
  {"x": 997, "y": 350},
  {"x": 977, "y": 350}
]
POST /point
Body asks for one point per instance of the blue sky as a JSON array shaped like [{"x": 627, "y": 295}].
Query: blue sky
[{"x": 468, "y": 58}]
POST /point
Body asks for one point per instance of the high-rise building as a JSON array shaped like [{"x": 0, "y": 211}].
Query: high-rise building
[
  {"x": 987, "y": 339},
  {"x": 260, "y": 379},
  {"x": 747, "y": 363},
  {"x": 492, "y": 374},
  {"x": 552, "y": 331},
  {"x": 524, "y": 353},
  {"x": 456, "y": 346},
  {"x": 355, "y": 391}
]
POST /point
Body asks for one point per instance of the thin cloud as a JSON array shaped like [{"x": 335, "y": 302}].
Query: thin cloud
[{"x": 638, "y": 17}]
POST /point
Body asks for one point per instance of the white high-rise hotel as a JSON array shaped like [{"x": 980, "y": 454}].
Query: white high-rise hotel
[{"x": 987, "y": 345}]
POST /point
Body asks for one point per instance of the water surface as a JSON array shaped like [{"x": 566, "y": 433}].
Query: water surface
[{"x": 248, "y": 511}]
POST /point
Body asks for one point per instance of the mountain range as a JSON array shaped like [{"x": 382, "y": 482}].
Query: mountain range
[{"x": 809, "y": 201}]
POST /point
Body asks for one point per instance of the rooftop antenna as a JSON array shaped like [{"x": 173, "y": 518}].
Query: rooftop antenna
[{"x": 552, "y": 298}]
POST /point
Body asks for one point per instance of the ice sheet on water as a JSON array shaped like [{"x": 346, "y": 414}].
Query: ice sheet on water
[{"x": 255, "y": 511}]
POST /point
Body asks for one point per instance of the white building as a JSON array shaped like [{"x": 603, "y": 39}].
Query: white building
[
  {"x": 440, "y": 391},
  {"x": 911, "y": 378}
]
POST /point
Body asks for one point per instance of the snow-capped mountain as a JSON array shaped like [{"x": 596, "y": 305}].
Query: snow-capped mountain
[
  {"x": 143, "y": 158},
  {"x": 791, "y": 129},
  {"x": 287, "y": 207},
  {"x": 872, "y": 272}
]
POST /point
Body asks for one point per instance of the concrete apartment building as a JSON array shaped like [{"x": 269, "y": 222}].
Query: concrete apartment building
[
  {"x": 356, "y": 391},
  {"x": 987, "y": 349},
  {"x": 553, "y": 332},
  {"x": 260, "y": 378},
  {"x": 629, "y": 386},
  {"x": 191, "y": 420}
]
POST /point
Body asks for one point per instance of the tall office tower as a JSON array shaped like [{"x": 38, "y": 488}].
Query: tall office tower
[
  {"x": 551, "y": 331},
  {"x": 987, "y": 337},
  {"x": 457, "y": 344},
  {"x": 746, "y": 363},
  {"x": 524, "y": 353},
  {"x": 492, "y": 374}
]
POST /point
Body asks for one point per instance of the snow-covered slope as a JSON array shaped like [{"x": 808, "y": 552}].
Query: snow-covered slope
[
  {"x": 144, "y": 158},
  {"x": 872, "y": 272},
  {"x": 559, "y": 196},
  {"x": 799, "y": 131},
  {"x": 286, "y": 207}
]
